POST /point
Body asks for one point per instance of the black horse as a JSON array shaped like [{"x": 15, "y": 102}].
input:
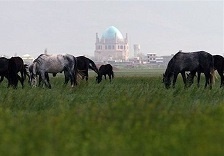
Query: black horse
[
  {"x": 16, "y": 65},
  {"x": 192, "y": 62},
  {"x": 218, "y": 65},
  {"x": 83, "y": 64},
  {"x": 105, "y": 70},
  {"x": 9, "y": 68}
]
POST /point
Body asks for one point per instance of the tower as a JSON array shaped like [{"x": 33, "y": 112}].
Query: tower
[{"x": 136, "y": 49}]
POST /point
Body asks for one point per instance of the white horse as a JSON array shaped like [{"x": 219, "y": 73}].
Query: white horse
[{"x": 54, "y": 64}]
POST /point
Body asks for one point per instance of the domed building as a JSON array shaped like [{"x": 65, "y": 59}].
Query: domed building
[{"x": 111, "y": 46}]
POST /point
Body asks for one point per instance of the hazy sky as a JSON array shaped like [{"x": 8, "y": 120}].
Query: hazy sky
[{"x": 161, "y": 27}]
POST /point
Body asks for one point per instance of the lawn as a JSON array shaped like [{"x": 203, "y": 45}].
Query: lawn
[{"x": 133, "y": 115}]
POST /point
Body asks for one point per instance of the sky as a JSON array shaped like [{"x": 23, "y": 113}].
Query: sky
[{"x": 161, "y": 27}]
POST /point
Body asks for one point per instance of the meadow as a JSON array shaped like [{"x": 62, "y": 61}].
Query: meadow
[{"x": 133, "y": 115}]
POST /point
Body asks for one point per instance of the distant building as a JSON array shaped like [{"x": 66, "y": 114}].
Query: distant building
[
  {"x": 151, "y": 58},
  {"x": 27, "y": 59},
  {"x": 136, "y": 49},
  {"x": 111, "y": 46}
]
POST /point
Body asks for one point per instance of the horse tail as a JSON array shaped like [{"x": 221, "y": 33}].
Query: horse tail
[
  {"x": 34, "y": 69},
  {"x": 25, "y": 70}
]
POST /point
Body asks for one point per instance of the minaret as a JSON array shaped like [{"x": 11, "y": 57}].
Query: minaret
[
  {"x": 97, "y": 38},
  {"x": 45, "y": 51},
  {"x": 126, "y": 39}
]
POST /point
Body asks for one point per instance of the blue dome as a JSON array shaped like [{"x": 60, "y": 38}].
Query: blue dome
[{"x": 111, "y": 32}]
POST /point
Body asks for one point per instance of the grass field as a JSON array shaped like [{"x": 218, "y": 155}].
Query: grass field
[{"x": 133, "y": 115}]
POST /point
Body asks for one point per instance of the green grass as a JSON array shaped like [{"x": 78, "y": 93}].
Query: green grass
[{"x": 133, "y": 115}]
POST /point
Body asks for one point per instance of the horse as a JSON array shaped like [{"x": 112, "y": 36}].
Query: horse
[
  {"x": 105, "y": 70},
  {"x": 16, "y": 65},
  {"x": 192, "y": 62},
  {"x": 45, "y": 63},
  {"x": 218, "y": 65},
  {"x": 83, "y": 64},
  {"x": 10, "y": 68}
]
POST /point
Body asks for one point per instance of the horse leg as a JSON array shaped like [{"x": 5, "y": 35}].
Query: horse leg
[
  {"x": 87, "y": 75},
  {"x": 184, "y": 78},
  {"x": 39, "y": 80},
  {"x": 18, "y": 78},
  {"x": 207, "y": 79},
  {"x": 2, "y": 78},
  {"x": 66, "y": 73},
  {"x": 174, "y": 79},
  {"x": 75, "y": 74},
  {"x": 72, "y": 78},
  {"x": 222, "y": 79},
  {"x": 199, "y": 77},
  {"x": 21, "y": 80},
  {"x": 109, "y": 77},
  {"x": 221, "y": 76},
  {"x": 45, "y": 80},
  {"x": 105, "y": 76}
]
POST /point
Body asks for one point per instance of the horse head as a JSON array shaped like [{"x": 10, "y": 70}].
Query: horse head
[
  {"x": 167, "y": 80},
  {"x": 99, "y": 78}
]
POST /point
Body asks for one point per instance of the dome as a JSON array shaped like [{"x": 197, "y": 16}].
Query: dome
[{"x": 110, "y": 34}]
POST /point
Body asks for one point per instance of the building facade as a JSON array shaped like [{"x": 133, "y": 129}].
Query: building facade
[
  {"x": 111, "y": 46},
  {"x": 151, "y": 58}
]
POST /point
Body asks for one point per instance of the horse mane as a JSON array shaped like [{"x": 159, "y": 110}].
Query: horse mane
[
  {"x": 92, "y": 65},
  {"x": 170, "y": 65}
]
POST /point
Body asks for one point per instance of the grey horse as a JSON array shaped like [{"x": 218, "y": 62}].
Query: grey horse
[{"x": 55, "y": 64}]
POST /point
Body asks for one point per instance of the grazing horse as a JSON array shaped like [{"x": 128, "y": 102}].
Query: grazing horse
[
  {"x": 83, "y": 64},
  {"x": 16, "y": 65},
  {"x": 105, "y": 70},
  {"x": 55, "y": 64},
  {"x": 218, "y": 65},
  {"x": 9, "y": 68},
  {"x": 192, "y": 62}
]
